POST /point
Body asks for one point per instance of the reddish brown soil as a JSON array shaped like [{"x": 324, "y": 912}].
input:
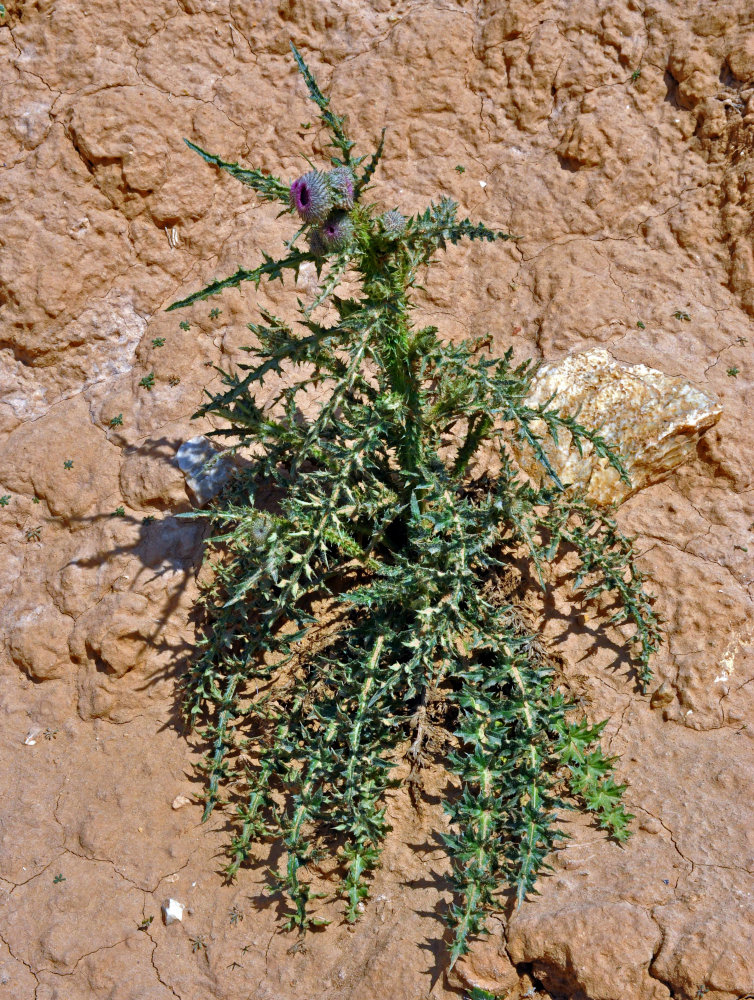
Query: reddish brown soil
[{"x": 633, "y": 195}]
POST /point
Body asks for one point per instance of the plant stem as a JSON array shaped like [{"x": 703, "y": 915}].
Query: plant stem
[{"x": 399, "y": 360}]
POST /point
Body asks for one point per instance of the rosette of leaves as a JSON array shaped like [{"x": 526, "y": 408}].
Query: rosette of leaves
[{"x": 369, "y": 504}]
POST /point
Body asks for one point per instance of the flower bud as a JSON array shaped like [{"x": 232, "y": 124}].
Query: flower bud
[
  {"x": 341, "y": 182},
  {"x": 337, "y": 231},
  {"x": 260, "y": 529},
  {"x": 393, "y": 223}
]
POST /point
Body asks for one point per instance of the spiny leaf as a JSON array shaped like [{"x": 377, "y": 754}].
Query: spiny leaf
[
  {"x": 371, "y": 166},
  {"x": 271, "y": 269},
  {"x": 335, "y": 123},
  {"x": 267, "y": 187}
]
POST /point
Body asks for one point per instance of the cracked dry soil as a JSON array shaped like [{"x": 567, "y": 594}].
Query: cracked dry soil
[{"x": 616, "y": 137}]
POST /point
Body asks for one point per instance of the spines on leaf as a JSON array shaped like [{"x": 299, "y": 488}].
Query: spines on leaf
[
  {"x": 335, "y": 123},
  {"x": 267, "y": 187}
]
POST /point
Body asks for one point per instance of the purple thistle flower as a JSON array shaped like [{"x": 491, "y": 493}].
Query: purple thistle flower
[
  {"x": 341, "y": 181},
  {"x": 310, "y": 196},
  {"x": 337, "y": 231},
  {"x": 393, "y": 223}
]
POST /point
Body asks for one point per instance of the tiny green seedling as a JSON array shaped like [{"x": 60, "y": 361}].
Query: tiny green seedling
[
  {"x": 197, "y": 944},
  {"x": 148, "y": 519},
  {"x": 3, "y": 11},
  {"x": 116, "y": 421},
  {"x": 732, "y": 372},
  {"x": 145, "y": 924},
  {"x": 214, "y": 313},
  {"x": 158, "y": 342},
  {"x": 742, "y": 341},
  {"x": 148, "y": 381},
  {"x": 635, "y": 75},
  {"x": 185, "y": 325},
  {"x": 174, "y": 380},
  {"x": 460, "y": 169},
  {"x": 58, "y": 879},
  {"x": 306, "y": 125},
  {"x": 50, "y": 734},
  {"x": 235, "y": 916},
  {"x": 35, "y": 500},
  {"x": 5, "y": 500},
  {"x": 640, "y": 325},
  {"x": 683, "y": 316},
  {"x": 68, "y": 464},
  {"x": 741, "y": 548},
  {"x": 119, "y": 512},
  {"x": 34, "y": 534}
]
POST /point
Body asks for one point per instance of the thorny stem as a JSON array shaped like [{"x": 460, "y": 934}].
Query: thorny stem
[{"x": 401, "y": 364}]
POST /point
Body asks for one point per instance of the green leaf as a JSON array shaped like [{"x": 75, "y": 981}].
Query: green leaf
[
  {"x": 271, "y": 269},
  {"x": 370, "y": 168},
  {"x": 334, "y": 123},
  {"x": 267, "y": 187}
]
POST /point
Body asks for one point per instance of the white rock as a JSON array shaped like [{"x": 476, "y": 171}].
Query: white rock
[
  {"x": 172, "y": 910},
  {"x": 180, "y": 801},
  {"x": 206, "y": 473},
  {"x": 31, "y": 736},
  {"x": 653, "y": 420}
]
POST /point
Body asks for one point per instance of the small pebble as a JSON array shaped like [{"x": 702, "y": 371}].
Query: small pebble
[
  {"x": 662, "y": 696},
  {"x": 651, "y": 825},
  {"x": 180, "y": 801},
  {"x": 172, "y": 910}
]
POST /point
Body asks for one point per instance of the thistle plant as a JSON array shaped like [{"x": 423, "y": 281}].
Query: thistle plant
[{"x": 371, "y": 504}]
